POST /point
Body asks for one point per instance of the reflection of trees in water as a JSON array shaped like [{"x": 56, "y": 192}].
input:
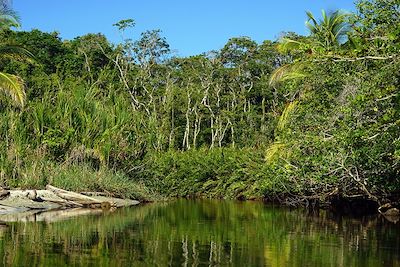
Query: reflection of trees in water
[
  {"x": 195, "y": 233},
  {"x": 74, "y": 241}
]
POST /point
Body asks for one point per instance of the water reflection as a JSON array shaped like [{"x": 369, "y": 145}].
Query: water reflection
[{"x": 202, "y": 233}]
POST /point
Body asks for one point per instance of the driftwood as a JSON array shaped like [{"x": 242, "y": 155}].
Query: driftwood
[
  {"x": 8, "y": 209},
  {"x": 68, "y": 195},
  {"x": 24, "y": 199},
  {"x": 63, "y": 202},
  {"x": 79, "y": 200},
  {"x": 54, "y": 204}
]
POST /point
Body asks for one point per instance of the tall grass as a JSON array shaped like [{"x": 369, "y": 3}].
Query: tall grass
[{"x": 75, "y": 138}]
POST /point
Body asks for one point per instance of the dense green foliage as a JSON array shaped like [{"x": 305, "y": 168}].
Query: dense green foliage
[{"x": 300, "y": 118}]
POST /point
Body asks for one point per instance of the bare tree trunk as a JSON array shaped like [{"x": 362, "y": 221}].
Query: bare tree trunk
[
  {"x": 197, "y": 125},
  {"x": 212, "y": 132},
  {"x": 233, "y": 136},
  {"x": 87, "y": 64},
  {"x": 171, "y": 133},
  {"x": 222, "y": 131},
  {"x": 186, "y": 135},
  {"x": 122, "y": 74},
  {"x": 262, "y": 128}
]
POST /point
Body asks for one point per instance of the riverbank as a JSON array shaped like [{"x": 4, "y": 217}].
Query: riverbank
[
  {"x": 80, "y": 178},
  {"x": 220, "y": 173},
  {"x": 55, "y": 204},
  {"x": 249, "y": 174}
]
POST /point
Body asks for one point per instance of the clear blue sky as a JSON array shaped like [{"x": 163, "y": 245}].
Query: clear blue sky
[{"x": 191, "y": 27}]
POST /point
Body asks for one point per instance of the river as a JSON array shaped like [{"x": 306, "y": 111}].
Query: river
[{"x": 203, "y": 233}]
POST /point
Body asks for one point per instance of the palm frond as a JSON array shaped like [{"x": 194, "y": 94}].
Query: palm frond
[
  {"x": 330, "y": 30},
  {"x": 287, "y": 45},
  {"x": 16, "y": 52},
  {"x": 7, "y": 22},
  {"x": 273, "y": 152},
  {"x": 287, "y": 72},
  {"x": 284, "y": 118},
  {"x": 312, "y": 28},
  {"x": 325, "y": 18},
  {"x": 14, "y": 87},
  {"x": 311, "y": 17},
  {"x": 8, "y": 18}
]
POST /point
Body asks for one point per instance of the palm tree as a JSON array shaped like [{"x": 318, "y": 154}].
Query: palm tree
[
  {"x": 330, "y": 31},
  {"x": 8, "y": 17},
  {"x": 11, "y": 84},
  {"x": 327, "y": 35}
]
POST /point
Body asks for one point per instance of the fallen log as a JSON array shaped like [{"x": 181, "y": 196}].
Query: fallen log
[
  {"x": 20, "y": 199},
  {"x": 69, "y": 195},
  {"x": 7, "y": 209},
  {"x": 63, "y": 202},
  {"x": 84, "y": 201},
  {"x": 31, "y": 204}
]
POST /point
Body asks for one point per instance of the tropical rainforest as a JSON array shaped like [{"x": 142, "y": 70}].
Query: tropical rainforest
[{"x": 295, "y": 120}]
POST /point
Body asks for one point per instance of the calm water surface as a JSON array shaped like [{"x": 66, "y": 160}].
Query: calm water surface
[{"x": 202, "y": 233}]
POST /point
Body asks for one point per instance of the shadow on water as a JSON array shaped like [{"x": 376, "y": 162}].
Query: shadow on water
[{"x": 203, "y": 233}]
